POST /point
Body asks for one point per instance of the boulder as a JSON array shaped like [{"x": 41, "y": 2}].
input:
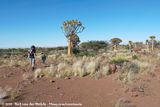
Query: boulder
[{"x": 3, "y": 93}]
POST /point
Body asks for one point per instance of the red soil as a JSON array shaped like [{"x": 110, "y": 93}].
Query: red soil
[{"x": 86, "y": 90}]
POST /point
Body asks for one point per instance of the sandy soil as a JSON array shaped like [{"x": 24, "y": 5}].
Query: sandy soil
[{"x": 86, "y": 91}]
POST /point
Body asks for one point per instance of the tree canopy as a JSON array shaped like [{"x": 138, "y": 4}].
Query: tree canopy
[
  {"x": 152, "y": 37},
  {"x": 95, "y": 45},
  {"x": 71, "y": 27},
  {"x": 115, "y": 41}
]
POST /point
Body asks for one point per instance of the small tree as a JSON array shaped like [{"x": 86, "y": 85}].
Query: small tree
[
  {"x": 152, "y": 41},
  {"x": 94, "y": 45},
  {"x": 147, "y": 44},
  {"x": 130, "y": 44},
  {"x": 71, "y": 28},
  {"x": 115, "y": 42},
  {"x": 138, "y": 45},
  {"x": 135, "y": 44}
]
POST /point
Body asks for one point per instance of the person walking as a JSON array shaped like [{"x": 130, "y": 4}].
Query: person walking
[
  {"x": 43, "y": 58},
  {"x": 31, "y": 56}
]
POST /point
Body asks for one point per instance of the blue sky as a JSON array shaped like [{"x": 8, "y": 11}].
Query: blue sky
[{"x": 38, "y": 22}]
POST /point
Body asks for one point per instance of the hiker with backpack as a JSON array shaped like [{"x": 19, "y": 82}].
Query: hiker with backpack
[
  {"x": 31, "y": 56},
  {"x": 43, "y": 58}
]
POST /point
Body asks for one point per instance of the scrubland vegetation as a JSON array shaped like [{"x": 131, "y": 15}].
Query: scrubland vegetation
[{"x": 94, "y": 58}]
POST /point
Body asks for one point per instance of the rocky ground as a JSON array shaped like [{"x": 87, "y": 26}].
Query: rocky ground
[{"x": 84, "y": 91}]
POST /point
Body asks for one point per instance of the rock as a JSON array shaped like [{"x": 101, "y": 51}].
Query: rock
[
  {"x": 67, "y": 78},
  {"x": 1, "y": 102},
  {"x": 122, "y": 102},
  {"x": 41, "y": 76},
  {"x": 61, "y": 94},
  {"x": 134, "y": 94},
  {"x": 126, "y": 90},
  {"x": 4, "y": 76},
  {"x": 57, "y": 88},
  {"x": 118, "y": 67},
  {"x": 141, "y": 89},
  {"x": 112, "y": 68},
  {"x": 7, "y": 88},
  {"x": 11, "y": 73},
  {"x": 52, "y": 81},
  {"x": 134, "y": 89},
  {"x": 3, "y": 93}
]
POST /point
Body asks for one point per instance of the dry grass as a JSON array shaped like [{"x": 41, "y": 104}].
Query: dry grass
[
  {"x": 14, "y": 94},
  {"x": 13, "y": 62},
  {"x": 105, "y": 70},
  {"x": 78, "y": 68},
  {"x": 38, "y": 73},
  {"x": 73, "y": 67},
  {"x": 131, "y": 70},
  {"x": 98, "y": 66},
  {"x": 28, "y": 76}
]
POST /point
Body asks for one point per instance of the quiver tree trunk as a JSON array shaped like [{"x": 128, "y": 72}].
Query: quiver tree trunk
[
  {"x": 152, "y": 45},
  {"x": 70, "y": 48},
  {"x": 152, "y": 40},
  {"x": 114, "y": 47},
  {"x": 147, "y": 47},
  {"x": 130, "y": 47},
  {"x": 135, "y": 45}
]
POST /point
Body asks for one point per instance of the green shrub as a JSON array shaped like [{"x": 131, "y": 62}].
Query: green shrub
[
  {"x": 94, "y": 45},
  {"x": 119, "y": 60},
  {"x": 87, "y": 53},
  {"x": 134, "y": 57},
  {"x": 128, "y": 72}
]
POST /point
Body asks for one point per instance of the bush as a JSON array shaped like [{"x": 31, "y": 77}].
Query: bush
[
  {"x": 119, "y": 60},
  {"x": 78, "y": 68},
  {"x": 76, "y": 50},
  {"x": 38, "y": 73},
  {"x": 95, "y": 45},
  {"x": 134, "y": 57},
  {"x": 1, "y": 62},
  {"x": 128, "y": 71},
  {"x": 105, "y": 70},
  {"x": 74, "y": 66},
  {"x": 91, "y": 67},
  {"x": 87, "y": 53},
  {"x": 48, "y": 71}
]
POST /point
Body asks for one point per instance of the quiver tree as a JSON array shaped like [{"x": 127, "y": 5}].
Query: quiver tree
[
  {"x": 152, "y": 41},
  {"x": 71, "y": 28},
  {"x": 115, "y": 42},
  {"x": 138, "y": 45},
  {"x": 135, "y": 44},
  {"x": 130, "y": 44},
  {"x": 147, "y": 44}
]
